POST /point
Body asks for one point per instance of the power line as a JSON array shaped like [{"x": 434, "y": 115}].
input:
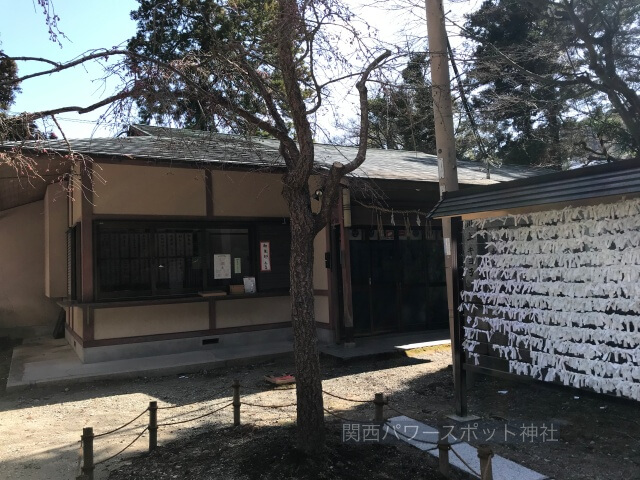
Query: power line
[{"x": 76, "y": 120}]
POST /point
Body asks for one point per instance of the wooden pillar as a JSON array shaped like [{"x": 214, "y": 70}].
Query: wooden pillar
[
  {"x": 86, "y": 232},
  {"x": 332, "y": 284},
  {"x": 345, "y": 264},
  {"x": 212, "y": 315},
  {"x": 456, "y": 319},
  {"x": 208, "y": 185}
]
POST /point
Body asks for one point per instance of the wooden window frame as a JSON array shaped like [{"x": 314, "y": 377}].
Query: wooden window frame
[{"x": 202, "y": 227}]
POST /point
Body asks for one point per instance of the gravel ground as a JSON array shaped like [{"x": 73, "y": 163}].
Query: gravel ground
[{"x": 40, "y": 427}]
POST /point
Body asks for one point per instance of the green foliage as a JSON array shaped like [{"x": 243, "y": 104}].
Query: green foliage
[
  {"x": 549, "y": 76},
  {"x": 8, "y": 73},
  {"x": 209, "y": 42},
  {"x": 522, "y": 115},
  {"x": 401, "y": 117}
]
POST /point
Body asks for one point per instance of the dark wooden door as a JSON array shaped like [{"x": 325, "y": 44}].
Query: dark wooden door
[{"x": 397, "y": 281}]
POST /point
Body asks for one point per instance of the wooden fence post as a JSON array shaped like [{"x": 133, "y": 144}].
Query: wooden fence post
[
  {"x": 378, "y": 401},
  {"x": 153, "y": 425},
  {"x": 236, "y": 403},
  {"x": 87, "y": 453},
  {"x": 443, "y": 453},
  {"x": 486, "y": 470}
]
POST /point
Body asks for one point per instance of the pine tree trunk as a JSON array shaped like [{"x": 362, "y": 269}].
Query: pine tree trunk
[{"x": 305, "y": 345}]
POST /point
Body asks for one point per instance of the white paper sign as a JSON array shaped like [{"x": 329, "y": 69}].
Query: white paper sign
[
  {"x": 221, "y": 266},
  {"x": 249, "y": 284},
  {"x": 265, "y": 256}
]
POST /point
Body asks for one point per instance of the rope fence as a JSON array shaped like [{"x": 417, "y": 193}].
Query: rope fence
[
  {"x": 114, "y": 456},
  {"x": 86, "y": 464},
  {"x": 269, "y": 406},
  {"x": 194, "y": 418},
  {"x": 346, "y": 399},
  {"x": 122, "y": 426},
  {"x": 213, "y": 394}
]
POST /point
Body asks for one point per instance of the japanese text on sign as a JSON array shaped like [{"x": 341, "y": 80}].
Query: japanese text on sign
[{"x": 265, "y": 256}]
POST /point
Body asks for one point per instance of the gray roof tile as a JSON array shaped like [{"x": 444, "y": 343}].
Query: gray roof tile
[{"x": 181, "y": 145}]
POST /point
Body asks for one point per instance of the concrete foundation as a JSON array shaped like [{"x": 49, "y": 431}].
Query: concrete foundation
[{"x": 191, "y": 344}]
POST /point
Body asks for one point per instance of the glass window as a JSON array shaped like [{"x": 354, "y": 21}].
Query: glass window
[
  {"x": 147, "y": 259},
  {"x": 178, "y": 261},
  {"x": 229, "y": 256},
  {"x": 124, "y": 260}
]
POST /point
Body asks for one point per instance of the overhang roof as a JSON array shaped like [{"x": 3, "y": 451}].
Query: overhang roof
[
  {"x": 181, "y": 146},
  {"x": 607, "y": 180}
]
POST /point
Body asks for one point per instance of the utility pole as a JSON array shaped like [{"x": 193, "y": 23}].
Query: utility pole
[
  {"x": 441, "y": 92},
  {"x": 448, "y": 181}
]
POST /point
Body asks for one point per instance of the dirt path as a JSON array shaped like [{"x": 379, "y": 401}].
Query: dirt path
[{"x": 40, "y": 428}]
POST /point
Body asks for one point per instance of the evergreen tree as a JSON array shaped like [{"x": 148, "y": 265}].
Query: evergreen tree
[
  {"x": 401, "y": 117},
  {"x": 520, "y": 115},
  {"x": 176, "y": 33},
  {"x": 8, "y": 75},
  {"x": 545, "y": 74}
]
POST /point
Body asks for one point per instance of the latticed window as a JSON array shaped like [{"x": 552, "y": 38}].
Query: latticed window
[{"x": 149, "y": 259}]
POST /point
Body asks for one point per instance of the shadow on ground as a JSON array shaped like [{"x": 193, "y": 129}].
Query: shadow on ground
[
  {"x": 269, "y": 453},
  {"x": 596, "y": 436}
]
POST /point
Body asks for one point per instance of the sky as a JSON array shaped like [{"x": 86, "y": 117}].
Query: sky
[
  {"x": 88, "y": 24},
  {"x": 91, "y": 24}
]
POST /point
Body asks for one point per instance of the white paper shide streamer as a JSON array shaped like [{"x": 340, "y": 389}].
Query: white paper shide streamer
[{"x": 556, "y": 295}]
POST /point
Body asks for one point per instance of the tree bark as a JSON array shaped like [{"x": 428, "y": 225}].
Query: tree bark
[{"x": 310, "y": 430}]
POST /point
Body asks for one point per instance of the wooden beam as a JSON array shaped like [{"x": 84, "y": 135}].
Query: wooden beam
[
  {"x": 208, "y": 185},
  {"x": 180, "y": 335},
  {"x": 345, "y": 265},
  {"x": 88, "y": 329},
  {"x": 333, "y": 281},
  {"x": 212, "y": 315}
]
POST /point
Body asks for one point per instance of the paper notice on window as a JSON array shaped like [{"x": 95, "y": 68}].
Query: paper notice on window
[
  {"x": 249, "y": 284},
  {"x": 265, "y": 256},
  {"x": 237, "y": 265},
  {"x": 221, "y": 266}
]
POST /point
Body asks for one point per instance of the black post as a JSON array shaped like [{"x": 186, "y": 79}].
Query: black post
[
  {"x": 236, "y": 403},
  {"x": 87, "y": 453},
  {"x": 379, "y": 402},
  {"x": 459, "y": 373},
  {"x": 443, "y": 452},
  {"x": 486, "y": 470},
  {"x": 153, "y": 425}
]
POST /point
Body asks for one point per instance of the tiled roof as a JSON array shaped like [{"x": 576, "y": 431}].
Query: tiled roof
[{"x": 175, "y": 145}]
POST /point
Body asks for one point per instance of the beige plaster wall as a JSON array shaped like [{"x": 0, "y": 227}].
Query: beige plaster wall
[
  {"x": 120, "y": 322},
  {"x": 148, "y": 190},
  {"x": 320, "y": 279},
  {"x": 75, "y": 199},
  {"x": 321, "y": 309},
  {"x": 252, "y": 311},
  {"x": 77, "y": 316},
  {"x": 55, "y": 241},
  {"x": 248, "y": 194},
  {"x": 23, "y": 303}
]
